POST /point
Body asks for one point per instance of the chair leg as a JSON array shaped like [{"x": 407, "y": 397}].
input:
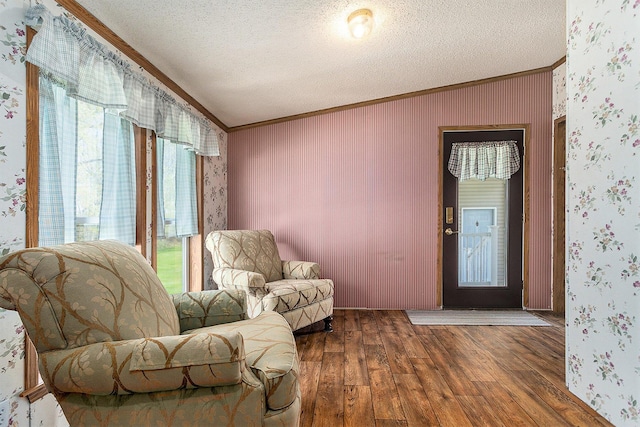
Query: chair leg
[{"x": 327, "y": 324}]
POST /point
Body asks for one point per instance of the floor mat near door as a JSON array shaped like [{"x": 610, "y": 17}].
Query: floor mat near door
[{"x": 474, "y": 317}]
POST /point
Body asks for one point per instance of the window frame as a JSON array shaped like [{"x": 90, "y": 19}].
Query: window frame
[{"x": 34, "y": 389}]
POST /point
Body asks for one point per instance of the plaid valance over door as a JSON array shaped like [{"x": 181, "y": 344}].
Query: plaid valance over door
[{"x": 482, "y": 160}]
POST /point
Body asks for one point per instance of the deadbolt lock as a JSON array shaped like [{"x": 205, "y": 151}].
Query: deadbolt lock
[{"x": 448, "y": 215}]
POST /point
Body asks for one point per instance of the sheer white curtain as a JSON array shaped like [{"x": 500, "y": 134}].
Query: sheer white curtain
[
  {"x": 176, "y": 172},
  {"x": 58, "y": 186},
  {"x": 118, "y": 203}
]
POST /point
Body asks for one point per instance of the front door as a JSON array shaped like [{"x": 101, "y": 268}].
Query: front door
[{"x": 482, "y": 224}]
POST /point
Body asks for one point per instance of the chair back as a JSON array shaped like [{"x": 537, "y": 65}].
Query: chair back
[
  {"x": 249, "y": 250},
  {"x": 82, "y": 293}
]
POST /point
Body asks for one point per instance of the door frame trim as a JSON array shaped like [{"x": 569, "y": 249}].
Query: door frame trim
[
  {"x": 526, "y": 196},
  {"x": 558, "y": 222}
]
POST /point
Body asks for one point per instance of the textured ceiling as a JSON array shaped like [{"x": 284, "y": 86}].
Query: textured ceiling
[{"x": 248, "y": 61}]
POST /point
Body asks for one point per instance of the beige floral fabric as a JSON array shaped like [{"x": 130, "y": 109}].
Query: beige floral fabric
[
  {"x": 200, "y": 309},
  {"x": 300, "y": 270},
  {"x": 252, "y": 250},
  {"x": 230, "y": 278},
  {"x": 286, "y": 295},
  {"x": 115, "y": 349},
  {"x": 304, "y": 316},
  {"x": 235, "y": 405},
  {"x": 83, "y": 293},
  {"x": 273, "y": 361},
  {"x": 296, "y": 291},
  {"x": 146, "y": 365}
]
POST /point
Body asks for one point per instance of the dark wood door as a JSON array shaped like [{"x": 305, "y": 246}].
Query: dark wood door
[{"x": 458, "y": 292}]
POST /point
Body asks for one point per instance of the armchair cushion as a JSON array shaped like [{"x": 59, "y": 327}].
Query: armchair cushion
[
  {"x": 197, "y": 349},
  {"x": 286, "y": 295},
  {"x": 207, "y": 308},
  {"x": 147, "y": 365}
]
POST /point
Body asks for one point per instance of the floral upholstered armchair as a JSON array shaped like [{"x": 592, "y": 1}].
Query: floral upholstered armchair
[
  {"x": 249, "y": 260},
  {"x": 115, "y": 349}
]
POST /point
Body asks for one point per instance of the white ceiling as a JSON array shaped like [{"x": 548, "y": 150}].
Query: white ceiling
[{"x": 248, "y": 61}]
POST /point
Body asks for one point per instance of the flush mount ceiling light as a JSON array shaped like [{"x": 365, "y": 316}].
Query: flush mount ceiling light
[{"x": 360, "y": 23}]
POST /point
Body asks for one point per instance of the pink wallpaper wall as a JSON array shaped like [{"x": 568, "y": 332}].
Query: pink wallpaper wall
[{"x": 357, "y": 190}]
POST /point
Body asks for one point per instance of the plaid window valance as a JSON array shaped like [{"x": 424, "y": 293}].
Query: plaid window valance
[
  {"x": 482, "y": 160},
  {"x": 89, "y": 71}
]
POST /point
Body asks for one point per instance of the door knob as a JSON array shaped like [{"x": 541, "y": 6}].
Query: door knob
[{"x": 449, "y": 231}]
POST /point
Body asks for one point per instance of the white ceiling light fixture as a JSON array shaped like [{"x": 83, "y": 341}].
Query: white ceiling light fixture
[{"x": 360, "y": 23}]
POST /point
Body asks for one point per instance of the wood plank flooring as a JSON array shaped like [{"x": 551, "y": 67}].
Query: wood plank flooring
[{"x": 376, "y": 369}]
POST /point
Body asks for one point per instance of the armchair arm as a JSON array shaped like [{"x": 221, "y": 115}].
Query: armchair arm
[
  {"x": 232, "y": 278},
  {"x": 300, "y": 270},
  {"x": 146, "y": 365},
  {"x": 209, "y": 308}
]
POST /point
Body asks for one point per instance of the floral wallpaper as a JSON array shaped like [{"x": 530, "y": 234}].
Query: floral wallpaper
[
  {"x": 47, "y": 413},
  {"x": 603, "y": 206},
  {"x": 13, "y": 128},
  {"x": 215, "y": 202},
  {"x": 559, "y": 96},
  {"x": 12, "y": 195}
]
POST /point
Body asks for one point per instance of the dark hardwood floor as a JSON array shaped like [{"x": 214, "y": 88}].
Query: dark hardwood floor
[{"x": 376, "y": 369}]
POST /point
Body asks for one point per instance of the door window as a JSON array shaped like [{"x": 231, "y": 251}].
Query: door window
[{"x": 481, "y": 260}]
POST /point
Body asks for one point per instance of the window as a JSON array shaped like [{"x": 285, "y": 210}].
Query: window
[
  {"x": 87, "y": 184},
  {"x": 108, "y": 190},
  {"x": 177, "y": 216}
]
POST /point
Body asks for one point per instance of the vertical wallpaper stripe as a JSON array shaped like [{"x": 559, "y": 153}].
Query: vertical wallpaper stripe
[{"x": 357, "y": 190}]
